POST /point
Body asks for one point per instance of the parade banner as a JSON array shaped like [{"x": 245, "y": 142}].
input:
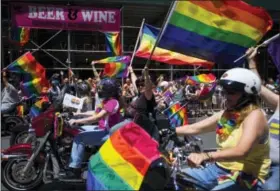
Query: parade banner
[{"x": 65, "y": 17}]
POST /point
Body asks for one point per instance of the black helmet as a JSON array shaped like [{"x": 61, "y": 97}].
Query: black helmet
[
  {"x": 108, "y": 88},
  {"x": 83, "y": 89}
]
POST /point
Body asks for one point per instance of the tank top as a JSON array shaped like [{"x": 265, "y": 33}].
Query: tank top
[
  {"x": 273, "y": 123},
  {"x": 256, "y": 163}
]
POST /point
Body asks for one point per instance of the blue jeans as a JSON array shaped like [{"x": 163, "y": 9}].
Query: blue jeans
[
  {"x": 208, "y": 178},
  {"x": 272, "y": 183},
  {"x": 91, "y": 136}
]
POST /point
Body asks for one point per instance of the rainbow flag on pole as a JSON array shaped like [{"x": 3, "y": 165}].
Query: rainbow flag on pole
[
  {"x": 35, "y": 74},
  {"x": 148, "y": 39},
  {"x": 201, "y": 78},
  {"x": 113, "y": 43},
  {"x": 123, "y": 160},
  {"x": 177, "y": 115},
  {"x": 115, "y": 66},
  {"x": 28, "y": 65},
  {"x": 20, "y": 35},
  {"x": 219, "y": 31}
]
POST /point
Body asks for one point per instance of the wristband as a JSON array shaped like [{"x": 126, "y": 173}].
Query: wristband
[
  {"x": 252, "y": 68},
  {"x": 210, "y": 158}
]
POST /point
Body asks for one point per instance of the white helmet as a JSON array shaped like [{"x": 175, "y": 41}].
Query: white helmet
[
  {"x": 241, "y": 80},
  {"x": 163, "y": 84}
]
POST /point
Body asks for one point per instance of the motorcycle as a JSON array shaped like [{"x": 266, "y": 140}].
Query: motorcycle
[
  {"x": 13, "y": 119},
  {"x": 27, "y": 166}
]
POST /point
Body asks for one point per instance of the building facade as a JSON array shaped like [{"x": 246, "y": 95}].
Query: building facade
[{"x": 78, "y": 48}]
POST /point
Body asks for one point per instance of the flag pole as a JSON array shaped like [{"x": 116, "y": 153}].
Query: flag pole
[
  {"x": 162, "y": 30},
  {"x": 137, "y": 41},
  {"x": 178, "y": 110},
  {"x": 265, "y": 43}
]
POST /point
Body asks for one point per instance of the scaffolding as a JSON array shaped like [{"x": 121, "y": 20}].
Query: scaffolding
[{"x": 70, "y": 51}]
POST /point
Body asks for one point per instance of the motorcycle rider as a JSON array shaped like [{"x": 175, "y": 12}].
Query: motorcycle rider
[
  {"x": 142, "y": 106},
  {"x": 107, "y": 114},
  {"x": 10, "y": 96},
  {"x": 272, "y": 100},
  {"x": 242, "y": 159},
  {"x": 83, "y": 91},
  {"x": 54, "y": 91}
]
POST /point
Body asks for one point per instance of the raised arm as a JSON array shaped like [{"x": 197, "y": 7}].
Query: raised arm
[
  {"x": 148, "y": 84},
  {"x": 95, "y": 73},
  {"x": 269, "y": 97}
]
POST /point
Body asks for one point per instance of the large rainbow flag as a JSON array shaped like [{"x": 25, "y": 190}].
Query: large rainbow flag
[
  {"x": 201, "y": 78},
  {"x": 115, "y": 66},
  {"x": 34, "y": 72},
  {"x": 177, "y": 115},
  {"x": 123, "y": 160},
  {"x": 20, "y": 35},
  {"x": 113, "y": 43},
  {"x": 218, "y": 31},
  {"x": 148, "y": 39},
  {"x": 28, "y": 65}
]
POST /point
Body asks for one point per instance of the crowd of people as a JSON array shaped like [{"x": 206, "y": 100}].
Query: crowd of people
[{"x": 243, "y": 132}]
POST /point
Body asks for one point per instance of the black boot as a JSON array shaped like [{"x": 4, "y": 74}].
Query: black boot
[{"x": 72, "y": 173}]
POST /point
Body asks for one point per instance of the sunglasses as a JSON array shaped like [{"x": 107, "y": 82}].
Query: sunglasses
[{"x": 229, "y": 92}]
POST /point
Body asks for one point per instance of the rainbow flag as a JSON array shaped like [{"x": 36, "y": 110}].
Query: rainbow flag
[
  {"x": 201, "y": 78},
  {"x": 219, "y": 31},
  {"x": 123, "y": 59},
  {"x": 207, "y": 92},
  {"x": 177, "y": 115},
  {"x": 28, "y": 65},
  {"x": 115, "y": 66},
  {"x": 36, "y": 108},
  {"x": 113, "y": 43},
  {"x": 34, "y": 86},
  {"x": 123, "y": 160},
  {"x": 20, "y": 35},
  {"x": 148, "y": 39}
]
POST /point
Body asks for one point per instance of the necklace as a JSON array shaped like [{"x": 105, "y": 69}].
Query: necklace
[{"x": 227, "y": 124}]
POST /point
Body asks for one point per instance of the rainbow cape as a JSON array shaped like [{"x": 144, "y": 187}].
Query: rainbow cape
[
  {"x": 36, "y": 108},
  {"x": 123, "y": 160},
  {"x": 201, "y": 78},
  {"x": 20, "y": 35},
  {"x": 148, "y": 39},
  {"x": 115, "y": 66},
  {"x": 177, "y": 115},
  {"x": 113, "y": 43},
  {"x": 219, "y": 31}
]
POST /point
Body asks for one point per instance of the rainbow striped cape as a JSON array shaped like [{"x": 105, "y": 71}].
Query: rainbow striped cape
[
  {"x": 123, "y": 160},
  {"x": 219, "y": 31},
  {"x": 148, "y": 39},
  {"x": 177, "y": 115}
]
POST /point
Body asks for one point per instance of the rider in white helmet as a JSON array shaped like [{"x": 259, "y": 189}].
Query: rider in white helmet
[{"x": 242, "y": 158}]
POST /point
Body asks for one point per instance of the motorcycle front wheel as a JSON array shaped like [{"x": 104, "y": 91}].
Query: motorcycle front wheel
[{"x": 13, "y": 180}]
